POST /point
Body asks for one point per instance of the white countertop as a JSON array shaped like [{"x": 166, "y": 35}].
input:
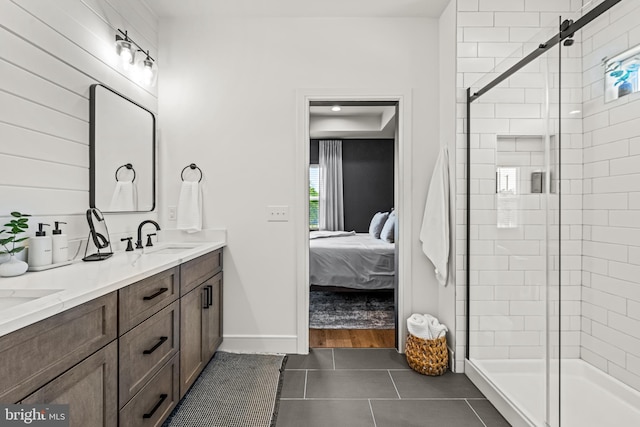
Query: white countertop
[{"x": 62, "y": 288}]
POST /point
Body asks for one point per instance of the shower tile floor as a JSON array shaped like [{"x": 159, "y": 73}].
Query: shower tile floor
[{"x": 376, "y": 388}]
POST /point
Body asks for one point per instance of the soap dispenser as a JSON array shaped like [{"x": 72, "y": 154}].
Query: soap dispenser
[
  {"x": 40, "y": 248},
  {"x": 60, "y": 244}
]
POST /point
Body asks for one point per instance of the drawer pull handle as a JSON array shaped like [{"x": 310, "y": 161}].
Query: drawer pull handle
[
  {"x": 155, "y": 408},
  {"x": 160, "y": 292},
  {"x": 155, "y": 347},
  {"x": 206, "y": 297},
  {"x": 210, "y": 301}
]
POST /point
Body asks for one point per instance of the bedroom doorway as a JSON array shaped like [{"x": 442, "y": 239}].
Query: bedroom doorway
[{"x": 352, "y": 221}]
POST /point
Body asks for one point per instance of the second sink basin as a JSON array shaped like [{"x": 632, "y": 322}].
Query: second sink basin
[
  {"x": 170, "y": 248},
  {"x": 12, "y": 297}
]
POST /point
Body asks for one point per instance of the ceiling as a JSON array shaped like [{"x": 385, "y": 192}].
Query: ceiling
[
  {"x": 371, "y": 122},
  {"x": 299, "y": 8}
]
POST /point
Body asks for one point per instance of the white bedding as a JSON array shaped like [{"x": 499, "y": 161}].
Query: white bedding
[{"x": 357, "y": 261}]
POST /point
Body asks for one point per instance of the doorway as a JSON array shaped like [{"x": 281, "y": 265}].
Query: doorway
[{"x": 391, "y": 112}]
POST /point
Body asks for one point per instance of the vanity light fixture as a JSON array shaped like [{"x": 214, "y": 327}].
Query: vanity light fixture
[
  {"x": 336, "y": 108},
  {"x": 145, "y": 70}
]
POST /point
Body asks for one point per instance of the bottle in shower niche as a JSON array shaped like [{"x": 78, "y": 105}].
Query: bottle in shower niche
[
  {"x": 60, "y": 244},
  {"x": 40, "y": 248}
]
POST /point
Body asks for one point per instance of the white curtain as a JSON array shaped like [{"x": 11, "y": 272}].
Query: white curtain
[{"x": 331, "y": 209}]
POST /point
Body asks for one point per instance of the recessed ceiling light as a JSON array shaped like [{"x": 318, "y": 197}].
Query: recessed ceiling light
[{"x": 336, "y": 108}]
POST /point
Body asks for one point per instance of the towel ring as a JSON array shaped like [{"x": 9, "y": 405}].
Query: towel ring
[
  {"x": 192, "y": 166},
  {"x": 128, "y": 166}
]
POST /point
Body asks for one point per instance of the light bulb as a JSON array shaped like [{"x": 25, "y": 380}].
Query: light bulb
[
  {"x": 146, "y": 75},
  {"x": 336, "y": 108},
  {"x": 125, "y": 52}
]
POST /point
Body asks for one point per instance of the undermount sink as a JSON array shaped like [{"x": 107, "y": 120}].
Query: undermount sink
[
  {"x": 12, "y": 297},
  {"x": 170, "y": 248}
]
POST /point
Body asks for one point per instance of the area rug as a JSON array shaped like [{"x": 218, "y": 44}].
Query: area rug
[
  {"x": 234, "y": 390},
  {"x": 351, "y": 310}
]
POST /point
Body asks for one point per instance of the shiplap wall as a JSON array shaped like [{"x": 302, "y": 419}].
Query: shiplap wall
[{"x": 51, "y": 52}]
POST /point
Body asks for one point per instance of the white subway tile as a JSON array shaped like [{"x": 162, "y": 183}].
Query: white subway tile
[
  {"x": 518, "y": 111},
  {"x": 602, "y": 347},
  {"x": 548, "y": 6},
  {"x": 488, "y": 232},
  {"x": 491, "y": 126},
  {"x": 499, "y": 49},
  {"x": 520, "y": 34},
  {"x": 518, "y": 338},
  {"x": 605, "y": 300},
  {"x": 620, "y": 288},
  {"x": 535, "y": 278},
  {"x": 467, "y": 50},
  {"x": 624, "y": 219},
  {"x": 596, "y": 121},
  {"x": 624, "y": 324},
  {"x": 594, "y": 311},
  {"x": 634, "y": 201},
  {"x": 501, "y": 323},
  {"x": 516, "y": 293},
  {"x": 482, "y": 338},
  {"x": 527, "y": 308},
  {"x": 606, "y": 151},
  {"x": 594, "y": 359},
  {"x": 478, "y": 65},
  {"x": 501, "y": 5},
  {"x": 626, "y": 166},
  {"x": 618, "y": 339},
  {"x": 527, "y": 126},
  {"x": 481, "y": 293},
  {"x": 605, "y": 251},
  {"x": 479, "y": 34},
  {"x": 475, "y": 19},
  {"x": 634, "y": 253},
  {"x": 625, "y": 112},
  {"x": 489, "y": 308},
  {"x": 617, "y": 184},
  {"x": 480, "y": 262},
  {"x": 595, "y": 217},
  {"x": 517, "y": 19},
  {"x": 603, "y": 201},
  {"x": 517, "y": 247},
  {"x": 480, "y": 352},
  {"x": 503, "y": 94},
  {"x": 625, "y": 271},
  {"x": 596, "y": 169},
  {"x": 633, "y": 309},
  {"x": 616, "y": 132},
  {"x": 634, "y": 146},
  {"x": 502, "y": 278},
  {"x": 595, "y": 265},
  {"x": 467, "y": 5}
]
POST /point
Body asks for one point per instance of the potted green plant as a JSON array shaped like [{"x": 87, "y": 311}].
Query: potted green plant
[{"x": 18, "y": 225}]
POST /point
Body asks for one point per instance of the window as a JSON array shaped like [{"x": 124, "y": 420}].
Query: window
[{"x": 314, "y": 196}]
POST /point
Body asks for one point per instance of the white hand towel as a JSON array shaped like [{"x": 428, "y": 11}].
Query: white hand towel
[
  {"x": 124, "y": 197},
  {"x": 436, "y": 329},
  {"x": 418, "y": 326},
  {"x": 435, "y": 223},
  {"x": 190, "y": 207}
]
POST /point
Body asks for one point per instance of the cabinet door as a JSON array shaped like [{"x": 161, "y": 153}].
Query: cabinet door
[
  {"x": 212, "y": 317},
  {"x": 89, "y": 388},
  {"x": 191, "y": 333}
]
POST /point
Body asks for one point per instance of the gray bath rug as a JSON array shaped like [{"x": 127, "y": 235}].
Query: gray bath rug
[
  {"x": 351, "y": 310},
  {"x": 234, "y": 390}
]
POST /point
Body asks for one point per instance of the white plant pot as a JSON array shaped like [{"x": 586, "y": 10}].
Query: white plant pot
[
  {"x": 13, "y": 267},
  {"x": 4, "y": 258}
]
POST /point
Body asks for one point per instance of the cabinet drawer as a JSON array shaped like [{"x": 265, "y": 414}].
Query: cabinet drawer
[
  {"x": 146, "y": 297},
  {"x": 146, "y": 348},
  {"x": 38, "y": 353},
  {"x": 153, "y": 404},
  {"x": 196, "y": 271},
  {"x": 89, "y": 388}
]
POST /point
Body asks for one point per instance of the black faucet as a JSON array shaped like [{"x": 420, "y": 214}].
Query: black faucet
[{"x": 147, "y": 221}]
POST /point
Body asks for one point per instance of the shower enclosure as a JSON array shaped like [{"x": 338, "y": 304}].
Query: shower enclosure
[{"x": 553, "y": 224}]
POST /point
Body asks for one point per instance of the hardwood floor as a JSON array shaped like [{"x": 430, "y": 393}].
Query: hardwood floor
[{"x": 352, "y": 338}]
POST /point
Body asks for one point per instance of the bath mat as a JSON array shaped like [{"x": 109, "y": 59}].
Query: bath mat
[
  {"x": 234, "y": 390},
  {"x": 351, "y": 310}
]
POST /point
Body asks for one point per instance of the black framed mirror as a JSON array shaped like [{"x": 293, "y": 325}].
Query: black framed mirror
[{"x": 122, "y": 153}]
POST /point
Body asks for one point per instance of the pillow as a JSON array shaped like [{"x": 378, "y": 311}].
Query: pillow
[
  {"x": 388, "y": 231},
  {"x": 377, "y": 222}
]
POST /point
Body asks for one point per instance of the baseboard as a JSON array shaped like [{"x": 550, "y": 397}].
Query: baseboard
[{"x": 259, "y": 343}]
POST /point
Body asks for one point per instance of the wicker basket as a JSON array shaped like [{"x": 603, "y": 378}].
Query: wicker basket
[{"x": 428, "y": 357}]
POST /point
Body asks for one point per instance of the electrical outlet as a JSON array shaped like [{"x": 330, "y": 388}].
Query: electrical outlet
[
  {"x": 277, "y": 213},
  {"x": 172, "y": 213}
]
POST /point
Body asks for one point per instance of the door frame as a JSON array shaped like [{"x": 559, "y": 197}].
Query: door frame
[{"x": 402, "y": 200}]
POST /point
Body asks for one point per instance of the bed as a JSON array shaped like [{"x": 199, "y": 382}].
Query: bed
[{"x": 351, "y": 260}]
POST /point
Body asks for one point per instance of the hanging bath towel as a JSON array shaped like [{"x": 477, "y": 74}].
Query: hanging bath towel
[
  {"x": 435, "y": 224},
  {"x": 190, "y": 207},
  {"x": 124, "y": 197}
]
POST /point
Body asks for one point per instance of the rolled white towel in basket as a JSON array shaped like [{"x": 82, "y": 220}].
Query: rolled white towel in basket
[
  {"x": 418, "y": 326},
  {"x": 426, "y": 326}
]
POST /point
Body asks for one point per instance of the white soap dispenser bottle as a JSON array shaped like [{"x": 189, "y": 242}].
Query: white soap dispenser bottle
[
  {"x": 40, "y": 248},
  {"x": 60, "y": 244}
]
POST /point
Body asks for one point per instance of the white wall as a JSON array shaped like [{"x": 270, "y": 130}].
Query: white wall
[
  {"x": 228, "y": 102},
  {"x": 611, "y": 289},
  {"x": 51, "y": 53}
]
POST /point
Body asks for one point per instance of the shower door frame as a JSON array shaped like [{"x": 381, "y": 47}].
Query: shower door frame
[{"x": 566, "y": 30}]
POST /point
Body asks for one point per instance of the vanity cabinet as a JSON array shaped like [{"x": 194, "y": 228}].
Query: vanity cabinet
[
  {"x": 125, "y": 358},
  {"x": 200, "y": 317}
]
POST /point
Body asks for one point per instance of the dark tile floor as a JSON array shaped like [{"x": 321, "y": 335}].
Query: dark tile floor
[{"x": 376, "y": 388}]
